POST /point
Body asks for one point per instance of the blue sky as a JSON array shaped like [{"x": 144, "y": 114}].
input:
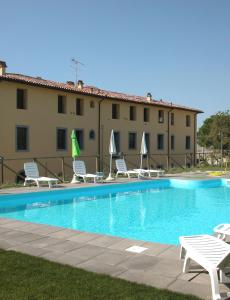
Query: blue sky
[{"x": 176, "y": 49}]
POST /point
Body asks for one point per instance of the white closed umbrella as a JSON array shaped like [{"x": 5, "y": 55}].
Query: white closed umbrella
[
  {"x": 112, "y": 150},
  {"x": 144, "y": 149}
]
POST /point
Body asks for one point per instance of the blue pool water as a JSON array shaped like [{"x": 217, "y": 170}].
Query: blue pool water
[{"x": 157, "y": 211}]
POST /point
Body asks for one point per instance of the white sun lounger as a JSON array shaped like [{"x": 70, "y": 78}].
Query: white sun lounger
[
  {"x": 122, "y": 169},
  {"x": 149, "y": 172},
  {"x": 79, "y": 170},
  {"x": 32, "y": 174},
  {"x": 222, "y": 230},
  {"x": 211, "y": 253}
]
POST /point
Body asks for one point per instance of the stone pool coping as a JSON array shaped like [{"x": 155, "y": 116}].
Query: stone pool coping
[{"x": 158, "y": 266}]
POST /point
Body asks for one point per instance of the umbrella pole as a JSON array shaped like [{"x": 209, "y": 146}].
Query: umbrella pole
[
  {"x": 110, "y": 169},
  {"x": 141, "y": 160},
  {"x": 74, "y": 180}
]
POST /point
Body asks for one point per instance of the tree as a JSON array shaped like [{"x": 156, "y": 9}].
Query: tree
[{"x": 209, "y": 134}]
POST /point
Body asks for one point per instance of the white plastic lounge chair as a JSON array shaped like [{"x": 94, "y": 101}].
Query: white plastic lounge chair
[
  {"x": 149, "y": 172},
  {"x": 79, "y": 170},
  {"x": 32, "y": 174},
  {"x": 222, "y": 230},
  {"x": 211, "y": 253},
  {"x": 122, "y": 169}
]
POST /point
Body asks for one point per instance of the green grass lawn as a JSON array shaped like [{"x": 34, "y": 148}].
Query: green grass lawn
[{"x": 23, "y": 277}]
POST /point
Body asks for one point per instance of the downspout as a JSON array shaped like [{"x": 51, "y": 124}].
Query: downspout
[
  {"x": 168, "y": 150},
  {"x": 194, "y": 139},
  {"x": 99, "y": 133}
]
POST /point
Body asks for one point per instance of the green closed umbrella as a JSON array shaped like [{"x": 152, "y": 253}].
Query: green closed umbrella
[
  {"x": 75, "y": 147},
  {"x": 75, "y": 152}
]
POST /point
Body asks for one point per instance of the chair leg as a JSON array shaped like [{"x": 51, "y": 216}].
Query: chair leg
[
  {"x": 214, "y": 284},
  {"x": 186, "y": 263},
  {"x": 182, "y": 252},
  {"x": 37, "y": 182},
  {"x": 223, "y": 277}
]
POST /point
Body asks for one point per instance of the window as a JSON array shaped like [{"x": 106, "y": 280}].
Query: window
[
  {"x": 146, "y": 114},
  {"x": 132, "y": 140},
  {"x": 21, "y": 99},
  {"x": 92, "y": 135},
  {"x": 80, "y": 138},
  {"x": 92, "y": 104},
  {"x": 117, "y": 140},
  {"x": 188, "y": 142},
  {"x": 172, "y": 118},
  {"x": 188, "y": 121},
  {"x": 172, "y": 142},
  {"x": 22, "y": 138},
  {"x": 160, "y": 116},
  {"x": 79, "y": 107},
  {"x": 115, "y": 111},
  {"x": 160, "y": 141},
  {"x": 132, "y": 113},
  {"x": 147, "y": 141},
  {"x": 61, "y": 139},
  {"x": 61, "y": 104}
]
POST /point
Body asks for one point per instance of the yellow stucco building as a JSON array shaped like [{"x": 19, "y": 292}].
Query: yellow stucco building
[{"x": 38, "y": 115}]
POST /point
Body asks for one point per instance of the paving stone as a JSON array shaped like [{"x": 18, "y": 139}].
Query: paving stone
[
  {"x": 155, "y": 249},
  {"x": 147, "y": 278},
  {"x": 12, "y": 235},
  {"x": 30, "y": 227},
  {"x": 46, "y": 230},
  {"x": 52, "y": 255},
  {"x": 125, "y": 243},
  {"x": 112, "y": 257},
  {"x": 4, "y": 221},
  {"x": 4, "y": 230},
  {"x": 64, "y": 234},
  {"x": 140, "y": 262},
  {"x": 13, "y": 224},
  {"x": 200, "y": 290},
  {"x": 83, "y": 237},
  {"x": 64, "y": 246},
  {"x": 102, "y": 268},
  {"x": 29, "y": 250},
  {"x": 104, "y": 241},
  {"x": 71, "y": 260},
  {"x": 44, "y": 242},
  {"x": 167, "y": 267},
  {"x": 27, "y": 237},
  {"x": 172, "y": 252},
  {"x": 87, "y": 251},
  {"x": 6, "y": 244}
]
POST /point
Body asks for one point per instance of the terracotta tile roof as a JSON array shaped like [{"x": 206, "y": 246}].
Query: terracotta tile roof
[{"x": 89, "y": 90}]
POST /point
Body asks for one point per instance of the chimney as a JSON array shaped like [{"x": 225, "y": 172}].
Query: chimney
[
  {"x": 80, "y": 84},
  {"x": 70, "y": 82},
  {"x": 3, "y": 67},
  {"x": 149, "y": 97}
]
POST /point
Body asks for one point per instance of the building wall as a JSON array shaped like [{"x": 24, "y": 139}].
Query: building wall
[{"x": 42, "y": 119}]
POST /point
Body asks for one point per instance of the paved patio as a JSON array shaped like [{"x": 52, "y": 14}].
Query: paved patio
[{"x": 158, "y": 265}]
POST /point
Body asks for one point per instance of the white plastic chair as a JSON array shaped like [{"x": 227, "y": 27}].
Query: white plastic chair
[
  {"x": 32, "y": 174},
  {"x": 122, "y": 169},
  {"x": 211, "y": 253},
  {"x": 149, "y": 172},
  {"x": 222, "y": 231},
  {"x": 79, "y": 170}
]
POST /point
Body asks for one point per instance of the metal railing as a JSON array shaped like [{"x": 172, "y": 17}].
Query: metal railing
[{"x": 60, "y": 167}]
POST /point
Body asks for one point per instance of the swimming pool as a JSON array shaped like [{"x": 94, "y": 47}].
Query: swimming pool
[{"x": 156, "y": 211}]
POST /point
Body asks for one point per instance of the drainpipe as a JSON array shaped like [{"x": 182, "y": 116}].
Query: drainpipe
[
  {"x": 168, "y": 150},
  {"x": 194, "y": 139},
  {"x": 99, "y": 134}
]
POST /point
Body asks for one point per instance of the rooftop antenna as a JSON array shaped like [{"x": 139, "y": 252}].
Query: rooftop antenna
[{"x": 75, "y": 65}]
